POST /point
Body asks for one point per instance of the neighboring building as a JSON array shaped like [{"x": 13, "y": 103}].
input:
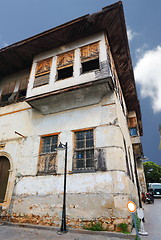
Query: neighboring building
[{"x": 75, "y": 84}]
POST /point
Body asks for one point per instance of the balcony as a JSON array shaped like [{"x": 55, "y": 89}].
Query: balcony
[{"x": 72, "y": 97}]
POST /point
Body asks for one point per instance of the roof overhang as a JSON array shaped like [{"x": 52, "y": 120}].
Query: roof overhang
[{"x": 111, "y": 20}]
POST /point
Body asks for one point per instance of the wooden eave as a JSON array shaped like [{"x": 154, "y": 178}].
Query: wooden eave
[{"x": 111, "y": 20}]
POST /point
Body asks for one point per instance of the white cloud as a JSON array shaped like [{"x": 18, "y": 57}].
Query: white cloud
[
  {"x": 148, "y": 76},
  {"x": 141, "y": 51},
  {"x": 130, "y": 34}
]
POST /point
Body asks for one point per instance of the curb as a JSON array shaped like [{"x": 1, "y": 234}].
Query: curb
[{"x": 71, "y": 230}]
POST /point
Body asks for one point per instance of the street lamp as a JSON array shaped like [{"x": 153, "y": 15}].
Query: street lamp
[
  {"x": 63, "y": 228},
  {"x": 131, "y": 206}
]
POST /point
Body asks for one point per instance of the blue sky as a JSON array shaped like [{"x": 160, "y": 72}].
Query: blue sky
[{"x": 20, "y": 19}]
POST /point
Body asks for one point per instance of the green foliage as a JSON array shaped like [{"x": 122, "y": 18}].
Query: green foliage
[
  {"x": 152, "y": 172},
  {"x": 94, "y": 226},
  {"x": 123, "y": 227},
  {"x": 137, "y": 238}
]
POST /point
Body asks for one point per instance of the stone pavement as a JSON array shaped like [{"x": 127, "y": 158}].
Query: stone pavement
[{"x": 17, "y": 232}]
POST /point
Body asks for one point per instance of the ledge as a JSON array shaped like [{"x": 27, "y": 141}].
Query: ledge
[{"x": 81, "y": 95}]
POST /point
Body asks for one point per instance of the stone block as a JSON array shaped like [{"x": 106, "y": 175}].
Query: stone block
[
  {"x": 104, "y": 226},
  {"x": 120, "y": 220},
  {"x": 111, "y": 227},
  {"x": 118, "y": 229}
]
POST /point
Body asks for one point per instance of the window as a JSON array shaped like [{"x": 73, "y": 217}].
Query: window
[
  {"x": 133, "y": 132},
  {"x": 132, "y": 175},
  {"x": 22, "y": 89},
  {"x": 42, "y": 72},
  {"x": 65, "y": 65},
  {"x": 84, "y": 151},
  {"x": 90, "y": 57},
  {"x": 47, "y": 156},
  {"x": 126, "y": 158},
  {"x": 132, "y": 123},
  {"x": 10, "y": 94},
  {"x": 7, "y": 92}
]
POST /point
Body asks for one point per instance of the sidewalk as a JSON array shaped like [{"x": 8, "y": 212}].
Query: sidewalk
[
  {"x": 152, "y": 220},
  {"x": 12, "y": 231}
]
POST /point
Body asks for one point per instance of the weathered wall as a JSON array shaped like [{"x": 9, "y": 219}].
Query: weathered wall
[{"x": 90, "y": 196}]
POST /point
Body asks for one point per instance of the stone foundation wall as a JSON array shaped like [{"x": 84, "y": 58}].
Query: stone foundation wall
[{"x": 108, "y": 224}]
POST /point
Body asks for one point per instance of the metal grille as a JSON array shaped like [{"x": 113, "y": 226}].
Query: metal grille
[
  {"x": 49, "y": 143},
  {"x": 84, "y": 150}
]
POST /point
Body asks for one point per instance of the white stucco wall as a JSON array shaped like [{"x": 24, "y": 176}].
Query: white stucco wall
[{"x": 25, "y": 151}]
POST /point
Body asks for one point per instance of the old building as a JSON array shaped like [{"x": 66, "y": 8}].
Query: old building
[{"x": 75, "y": 84}]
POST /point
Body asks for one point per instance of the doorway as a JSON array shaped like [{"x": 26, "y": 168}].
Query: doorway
[{"x": 4, "y": 174}]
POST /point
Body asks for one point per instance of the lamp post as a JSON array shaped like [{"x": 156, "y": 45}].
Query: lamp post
[
  {"x": 131, "y": 206},
  {"x": 63, "y": 228}
]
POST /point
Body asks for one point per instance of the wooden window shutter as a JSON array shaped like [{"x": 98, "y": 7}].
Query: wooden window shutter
[
  {"x": 23, "y": 84},
  {"x": 90, "y": 52},
  {"x": 42, "y": 72},
  {"x": 43, "y": 67},
  {"x": 8, "y": 88},
  {"x": 65, "y": 60},
  {"x": 101, "y": 159}
]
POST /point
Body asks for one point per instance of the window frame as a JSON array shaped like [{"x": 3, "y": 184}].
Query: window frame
[
  {"x": 126, "y": 159},
  {"x": 75, "y": 169},
  {"x": 41, "y": 74},
  {"x": 48, "y": 155},
  {"x": 85, "y": 60},
  {"x": 7, "y": 91},
  {"x": 133, "y": 132},
  {"x": 65, "y": 61}
]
